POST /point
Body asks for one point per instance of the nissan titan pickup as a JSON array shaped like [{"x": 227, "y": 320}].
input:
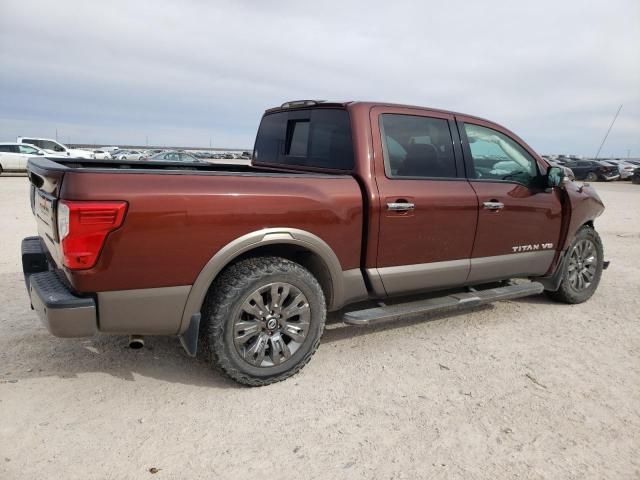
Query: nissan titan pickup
[{"x": 375, "y": 211}]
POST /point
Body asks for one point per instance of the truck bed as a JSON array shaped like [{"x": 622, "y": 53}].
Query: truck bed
[{"x": 179, "y": 215}]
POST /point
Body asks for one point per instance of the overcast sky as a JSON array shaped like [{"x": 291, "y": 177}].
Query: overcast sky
[{"x": 180, "y": 73}]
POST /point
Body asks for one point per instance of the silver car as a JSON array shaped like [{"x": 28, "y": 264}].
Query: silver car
[{"x": 130, "y": 155}]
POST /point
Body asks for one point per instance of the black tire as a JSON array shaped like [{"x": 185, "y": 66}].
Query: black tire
[
  {"x": 569, "y": 292},
  {"x": 224, "y": 310},
  {"x": 591, "y": 177}
]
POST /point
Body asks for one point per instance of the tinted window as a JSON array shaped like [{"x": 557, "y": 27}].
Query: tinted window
[
  {"x": 8, "y": 148},
  {"x": 498, "y": 157},
  {"x": 416, "y": 146},
  {"x": 46, "y": 145},
  {"x": 297, "y": 138},
  {"x": 313, "y": 138},
  {"x": 32, "y": 141}
]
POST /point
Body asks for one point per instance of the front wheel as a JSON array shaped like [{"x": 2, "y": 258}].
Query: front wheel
[
  {"x": 583, "y": 268},
  {"x": 591, "y": 177},
  {"x": 264, "y": 319}
]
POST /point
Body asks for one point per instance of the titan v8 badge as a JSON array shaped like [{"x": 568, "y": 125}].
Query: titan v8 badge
[{"x": 532, "y": 248}]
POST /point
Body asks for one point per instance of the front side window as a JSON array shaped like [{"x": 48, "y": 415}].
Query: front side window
[
  {"x": 498, "y": 157},
  {"x": 49, "y": 145},
  {"x": 417, "y": 147}
]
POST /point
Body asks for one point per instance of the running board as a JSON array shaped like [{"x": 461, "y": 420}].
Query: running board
[{"x": 456, "y": 301}]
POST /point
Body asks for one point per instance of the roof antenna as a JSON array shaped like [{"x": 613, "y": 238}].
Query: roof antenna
[{"x": 607, "y": 134}]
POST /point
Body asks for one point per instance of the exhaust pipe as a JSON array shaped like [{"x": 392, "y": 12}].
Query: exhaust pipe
[{"x": 136, "y": 342}]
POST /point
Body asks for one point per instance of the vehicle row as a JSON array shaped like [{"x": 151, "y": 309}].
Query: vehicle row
[
  {"x": 14, "y": 155},
  {"x": 599, "y": 170}
]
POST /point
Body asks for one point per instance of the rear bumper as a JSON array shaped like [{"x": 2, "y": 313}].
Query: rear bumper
[{"x": 64, "y": 313}]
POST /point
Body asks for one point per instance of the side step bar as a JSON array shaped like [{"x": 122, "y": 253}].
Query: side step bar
[{"x": 456, "y": 301}]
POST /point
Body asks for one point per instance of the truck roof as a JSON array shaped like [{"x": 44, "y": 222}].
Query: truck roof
[{"x": 311, "y": 103}]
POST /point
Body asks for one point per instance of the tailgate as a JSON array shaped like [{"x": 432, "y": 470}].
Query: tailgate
[{"x": 46, "y": 177}]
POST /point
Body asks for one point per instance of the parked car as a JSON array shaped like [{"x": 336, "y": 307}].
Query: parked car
[
  {"x": 130, "y": 155},
  {"x": 176, "y": 157},
  {"x": 14, "y": 156},
  {"x": 56, "y": 148},
  {"x": 343, "y": 202},
  {"x": 636, "y": 176},
  {"x": 102, "y": 155},
  {"x": 592, "y": 170},
  {"x": 625, "y": 168}
]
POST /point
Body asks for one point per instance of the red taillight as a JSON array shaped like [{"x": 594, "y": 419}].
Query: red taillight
[{"x": 83, "y": 227}]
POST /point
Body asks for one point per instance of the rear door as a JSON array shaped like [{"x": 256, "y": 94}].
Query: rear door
[
  {"x": 519, "y": 219},
  {"x": 428, "y": 209},
  {"x": 7, "y": 157}
]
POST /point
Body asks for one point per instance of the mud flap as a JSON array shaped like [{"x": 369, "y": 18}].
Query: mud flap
[{"x": 189, "y": 339}]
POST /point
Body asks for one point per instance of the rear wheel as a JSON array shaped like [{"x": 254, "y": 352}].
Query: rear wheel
[
  {"x": 591, "y": 177},
  {"x": 265, "y": 317},
  {"x": 583, "y": 268}
]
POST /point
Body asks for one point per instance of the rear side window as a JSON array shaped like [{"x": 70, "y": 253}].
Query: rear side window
[
  {"x": 417, "y": 147},
  {"x": 318, "y": 138},
  {"x": 8, "y": 148}
]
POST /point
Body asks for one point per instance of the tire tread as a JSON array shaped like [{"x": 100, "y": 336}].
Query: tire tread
[{"x": 226, "y": 289}]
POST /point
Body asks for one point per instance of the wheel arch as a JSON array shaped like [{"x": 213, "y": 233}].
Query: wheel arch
[{"x": 297, "y": 245}]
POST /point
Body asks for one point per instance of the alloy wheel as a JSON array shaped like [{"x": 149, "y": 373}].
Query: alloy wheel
[
  {"x": 583, "y": 265},
  {"x": 272, "y": 324}
]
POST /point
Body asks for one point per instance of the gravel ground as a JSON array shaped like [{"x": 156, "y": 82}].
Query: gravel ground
[{"x": 527, "y": 389}]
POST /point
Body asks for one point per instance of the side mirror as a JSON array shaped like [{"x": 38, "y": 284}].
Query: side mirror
[{"x": 555, "y": 177}]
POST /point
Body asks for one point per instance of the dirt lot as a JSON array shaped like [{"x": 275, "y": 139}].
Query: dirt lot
[{"x": 527, "y": 389}]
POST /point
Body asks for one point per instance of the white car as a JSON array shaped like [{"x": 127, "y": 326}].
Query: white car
[
  {"x": 130, "y": 155},
  {"x": 14, "y": 156},
  {"x": 57, "y": 148},
  {"x": 102, "y": 155},
  {"x": 626, "y": 169}
]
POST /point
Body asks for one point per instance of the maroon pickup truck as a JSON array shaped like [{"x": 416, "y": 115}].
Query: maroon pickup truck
[{"x": 344, "y": 203}]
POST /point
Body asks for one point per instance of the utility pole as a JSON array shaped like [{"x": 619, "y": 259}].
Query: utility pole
[
  {"x": 210, "y": 139},
  {"x": 147, "y": 140},
  {"x": 607, "y": 134},
  {"x": 56, "y": 134}
]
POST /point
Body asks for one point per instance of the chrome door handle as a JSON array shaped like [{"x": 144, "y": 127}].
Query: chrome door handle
[
  {"x": 400, "y": 206},
  {"x": 493, "y": 205}
]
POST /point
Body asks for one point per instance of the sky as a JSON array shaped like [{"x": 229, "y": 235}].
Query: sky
[{"x": 193, "y": 72}]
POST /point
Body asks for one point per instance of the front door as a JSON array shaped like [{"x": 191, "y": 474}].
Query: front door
[
  {"x": 428, "y": 208},
  {"x": 519, "y": 219}
]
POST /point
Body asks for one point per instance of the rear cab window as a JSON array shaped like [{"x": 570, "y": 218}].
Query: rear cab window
[{"x": 315, "y": 138}]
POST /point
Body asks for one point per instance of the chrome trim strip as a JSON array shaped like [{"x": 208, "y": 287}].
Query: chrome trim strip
[
  {"x": 423, "y": 276},
  {"x": 500, "y": 267}
]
